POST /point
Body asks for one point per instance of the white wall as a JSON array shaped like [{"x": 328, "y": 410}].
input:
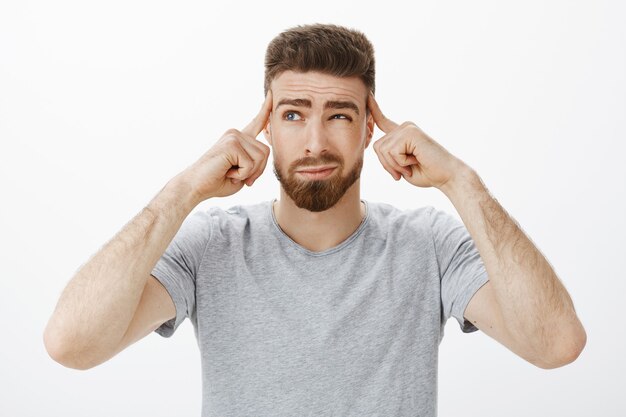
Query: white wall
[{"x": 102, "y": 102}]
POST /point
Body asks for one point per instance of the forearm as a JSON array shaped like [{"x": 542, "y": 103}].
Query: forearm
[
  {"x": 99, "y": 302},
  {"x": 535, "y": 306}
]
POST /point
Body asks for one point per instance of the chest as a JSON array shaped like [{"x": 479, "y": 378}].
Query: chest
[{"x": 341, "y": 305}]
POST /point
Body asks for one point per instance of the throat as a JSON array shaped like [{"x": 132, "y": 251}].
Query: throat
[{"x": 321, "y": 231}]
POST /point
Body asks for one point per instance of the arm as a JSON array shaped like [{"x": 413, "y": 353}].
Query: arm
[
  {"x": 529, "y": 304},
  {"x": 107, "y": 305},
  {"x": 98, "y": 304},
  {"x": 524, "y": 306}
]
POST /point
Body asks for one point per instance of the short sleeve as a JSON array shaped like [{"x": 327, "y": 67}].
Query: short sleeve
[
  {"x": 461, "y": 269},
  {"x": 178, "y": 267}
]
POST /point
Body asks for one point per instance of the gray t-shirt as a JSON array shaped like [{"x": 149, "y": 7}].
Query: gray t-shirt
[{"x": 350, "y": 331}]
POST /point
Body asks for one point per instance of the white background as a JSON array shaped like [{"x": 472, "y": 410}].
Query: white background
[{"x": 102, "y": 102}]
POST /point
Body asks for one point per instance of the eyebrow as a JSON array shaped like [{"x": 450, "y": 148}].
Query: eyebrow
[{"x": 333, "y": 104}]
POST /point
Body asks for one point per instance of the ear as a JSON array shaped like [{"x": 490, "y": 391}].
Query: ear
[
  {"x": 267, "y": 132},
  {"x": 369, "y": 124}
]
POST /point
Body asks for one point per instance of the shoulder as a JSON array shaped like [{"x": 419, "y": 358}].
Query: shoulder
[
  {"x": 387, "y": 219},
  {"x": 240, "y": 212},
  {"x": 232, "y": 213},
  {"x": 235, "y": 218},
  {"x": 387, "y": 215}
]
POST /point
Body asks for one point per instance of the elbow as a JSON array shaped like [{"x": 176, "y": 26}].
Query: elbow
[
  {"x": 59, "y": 353},
  {"x": 567, "y": 351}
]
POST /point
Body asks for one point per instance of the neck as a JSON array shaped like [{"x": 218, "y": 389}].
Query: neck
[{"x": 318, "y": 231}]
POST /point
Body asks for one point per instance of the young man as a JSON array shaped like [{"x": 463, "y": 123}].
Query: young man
[{"x": 318, "y": 303}]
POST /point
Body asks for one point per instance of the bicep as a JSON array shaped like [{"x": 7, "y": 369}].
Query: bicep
[{"x": 155, "y": 308}]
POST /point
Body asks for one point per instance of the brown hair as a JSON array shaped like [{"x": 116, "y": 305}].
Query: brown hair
[{"x": 326, "y": 48}]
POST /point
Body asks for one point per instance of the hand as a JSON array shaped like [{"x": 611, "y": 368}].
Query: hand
[
  {"x": 237, "y": 158},
  {"x": 406, "y": 151}
]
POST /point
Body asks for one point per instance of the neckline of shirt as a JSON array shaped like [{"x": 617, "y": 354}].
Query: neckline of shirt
[{"x": 293, "y": 244}]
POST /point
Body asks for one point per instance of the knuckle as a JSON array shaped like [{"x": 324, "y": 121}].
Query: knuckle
[
  {"x": 248, "y": 172},
  {"x": 259, "y": 155},
  {"x": 245, "y": 158},
  {"x": 230, "y": 139},
  {"x": 233, "y": 144}
]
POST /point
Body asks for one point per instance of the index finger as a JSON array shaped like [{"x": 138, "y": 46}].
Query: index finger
[
  {"x": 260, "y": 120},
  {"x": 385, "y": 124}
]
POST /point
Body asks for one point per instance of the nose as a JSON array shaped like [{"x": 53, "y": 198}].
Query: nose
[{"x": 316, "y": 138}]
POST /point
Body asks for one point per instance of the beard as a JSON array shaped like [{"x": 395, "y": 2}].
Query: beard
[{"x": 317, "y": 195}]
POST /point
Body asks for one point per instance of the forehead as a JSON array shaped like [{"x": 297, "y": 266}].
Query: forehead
[{"x": 318, "y": 87}]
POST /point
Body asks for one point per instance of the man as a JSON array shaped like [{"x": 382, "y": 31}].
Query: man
[{"x": 318, "y": 303}]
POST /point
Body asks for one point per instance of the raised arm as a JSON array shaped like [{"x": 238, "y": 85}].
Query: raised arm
[
  {"x": 98, "y": 304},
  {"x": 108, "y": 305},
  {"x": 524, "y": 305}
]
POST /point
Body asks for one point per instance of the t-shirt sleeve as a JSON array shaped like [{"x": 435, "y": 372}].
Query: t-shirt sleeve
[
  {"x": 178, "y": 267},
  {"x": 461, "y": 269}
]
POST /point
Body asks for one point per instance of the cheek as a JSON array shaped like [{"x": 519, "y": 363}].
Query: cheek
[{"x": 283, "y": 146}]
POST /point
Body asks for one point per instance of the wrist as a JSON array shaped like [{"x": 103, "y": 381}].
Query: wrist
[
  {"x": 180, "y": 192},
  {"x": 463, "y": 181}
]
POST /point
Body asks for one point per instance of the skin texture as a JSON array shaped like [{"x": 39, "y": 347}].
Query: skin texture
[
  {"x": 109, "y": 303},
  {"x": 112, "y": 301},
  {"x": 303, "y": 136},
  {"x": 524, "y": 306}
]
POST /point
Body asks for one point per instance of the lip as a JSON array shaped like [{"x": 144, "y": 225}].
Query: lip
[
  {"x": 317, "y": 173},
  {"x": 316, "y": 169}
]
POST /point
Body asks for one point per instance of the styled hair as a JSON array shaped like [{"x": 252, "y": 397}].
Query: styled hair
[{"x": 327, "y": 48}]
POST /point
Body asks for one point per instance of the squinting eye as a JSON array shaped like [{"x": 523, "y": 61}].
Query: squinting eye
[
  {"x": 341, "y": 116},
  {"x": 290, "y": 115}
]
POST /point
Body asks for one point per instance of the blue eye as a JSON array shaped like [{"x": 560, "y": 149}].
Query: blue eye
[{"x": 291, "y": 115}]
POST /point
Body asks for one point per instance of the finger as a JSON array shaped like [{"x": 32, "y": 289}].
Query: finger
[
  {"x": 242, "y": 163},
  {"x": 403, "y": 159},
  {"x": 256, "y": 156},
  {"x": 408, "y": 160},
  {"x": 394, "y": 164},
  {"x": 386, "y": 149},
  {"x": 259, "y": 157},
  {"x": 385, "y": 162},
  {"x": 402, "y": 162},
  {"x": 259, "y": 171},
  {"x": 395, "y": 173},
  {"x": 385, "y": 124},
  {"x": 260, "y": 120}
]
